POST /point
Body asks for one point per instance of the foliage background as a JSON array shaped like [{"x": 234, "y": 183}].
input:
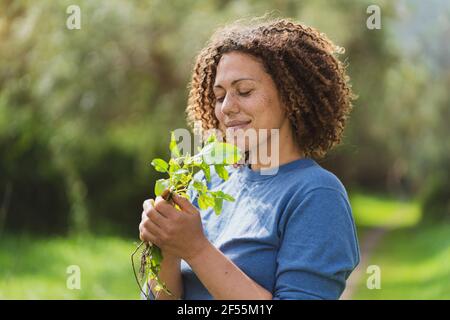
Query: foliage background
[{"x": 82, "y": 113}]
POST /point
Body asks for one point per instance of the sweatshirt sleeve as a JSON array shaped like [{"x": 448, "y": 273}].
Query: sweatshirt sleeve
[{"x": 319, "y": 247}]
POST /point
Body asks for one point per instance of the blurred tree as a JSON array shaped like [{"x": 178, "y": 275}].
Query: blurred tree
[{"x": 83, "y": 111}]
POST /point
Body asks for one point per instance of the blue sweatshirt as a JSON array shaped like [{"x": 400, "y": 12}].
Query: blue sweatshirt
[{"x": 293, "y": 232}]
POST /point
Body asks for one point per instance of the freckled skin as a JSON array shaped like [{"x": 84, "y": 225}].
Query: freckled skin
[{"x": 262, "y": 105}]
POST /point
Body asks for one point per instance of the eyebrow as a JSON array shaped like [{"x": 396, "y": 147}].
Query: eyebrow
[{"x": 234, "y": 82}]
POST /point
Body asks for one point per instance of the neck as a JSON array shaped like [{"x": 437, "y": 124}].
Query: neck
[{"x": 288, "y": 151}]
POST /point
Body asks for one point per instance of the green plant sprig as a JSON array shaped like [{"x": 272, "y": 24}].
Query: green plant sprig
[{"x": 181, "y": 171}]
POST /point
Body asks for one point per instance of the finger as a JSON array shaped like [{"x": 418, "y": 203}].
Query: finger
[
  {"x": 145, "y": 215},
  {"x": 157, "y": 218},
  {"x": 165, "y": 208},
  {"x": 143, "y": 233},
  {"x": 143, "y": 236},
  {"x": 184, "y": 203},
  {"x": 151, "y": 238},
  {"x": 142, "y": 229},
  {"x": 149, "y": 203},
  {"x": 153, "y": 228}
]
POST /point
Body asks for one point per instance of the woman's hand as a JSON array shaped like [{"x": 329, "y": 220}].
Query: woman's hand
[{"x": 177, "y": 233}]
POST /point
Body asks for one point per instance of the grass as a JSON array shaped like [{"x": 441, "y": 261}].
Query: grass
[
  {"x": 414, "y": 263},
  {"x": 414, "y": 259},
  {"x": 37, "y": 268},
  {"x": 382, "y": 211}
]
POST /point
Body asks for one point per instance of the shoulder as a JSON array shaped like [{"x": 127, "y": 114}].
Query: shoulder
[
  {"x": 313, "y": 179},
  {"x": 318, "y": 211},
  {"x": 319, "y": 178},
  {"x": 317, "y": 196}
]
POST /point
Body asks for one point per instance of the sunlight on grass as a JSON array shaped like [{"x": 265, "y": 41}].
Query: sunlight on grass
[
  {"x": 36, "y": 268},
  {"x": 415, "y": 264},
  {"x": 377, "y": 211}
]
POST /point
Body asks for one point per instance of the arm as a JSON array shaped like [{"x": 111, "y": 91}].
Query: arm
[
  {"x": 170, "y": 274},
  {"x": 318, "y": 248},
  {"x": 222, "y": 278}
]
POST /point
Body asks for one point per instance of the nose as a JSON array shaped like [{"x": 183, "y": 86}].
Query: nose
[{"x": 229, "y": 104}]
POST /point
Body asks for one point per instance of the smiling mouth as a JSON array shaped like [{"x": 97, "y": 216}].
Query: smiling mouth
[{"x": 237, "y": 125}]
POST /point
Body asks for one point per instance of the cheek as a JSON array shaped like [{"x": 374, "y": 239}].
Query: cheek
[{"x": 263, "y": 111}]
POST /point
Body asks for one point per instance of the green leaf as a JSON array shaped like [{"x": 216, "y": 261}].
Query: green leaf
[
  {"x": 220, "y": 153},
  {"x": 157, "y": 256},
  {"x": 205, "y": 201},
  {"x": 200, "y": 187},
  {"x": 221, "y": 171},
  {"x": 211, "y": 138},
  {"x": 228, "y": 198},
  {"x": 182, "y": 180},
  {"x": 181, "y": 175},
  {"x": 209, "y": 200},
  {"x": 173, "y": 166},
  {"x": 160, "y": 165},
  {"x": 205, "y": 152},
  {"x": 161, "y": 185},
  {"x": 188, "y": 160},
  {"x": 231, "y": 153},
  {"x": 197, "y": 160},
  {"x": 201, "y": 203},
  {"x": 206, "y": 171},
  {"x": 173, "y": 146},
  {"x": 224, "y": 196},
  {"x": 181, "y": 172},
  {"x": 218, "y": 205}
]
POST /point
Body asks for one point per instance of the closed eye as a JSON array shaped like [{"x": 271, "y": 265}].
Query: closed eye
[
  {"x": 245, "y": 94},
  {"x": 242, "y": 94}
]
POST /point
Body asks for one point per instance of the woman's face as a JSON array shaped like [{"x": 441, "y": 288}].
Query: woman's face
[{"x": 247, "y": 99}]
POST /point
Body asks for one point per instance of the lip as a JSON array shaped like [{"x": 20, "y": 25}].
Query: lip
[{"x": 237, "y": 124}]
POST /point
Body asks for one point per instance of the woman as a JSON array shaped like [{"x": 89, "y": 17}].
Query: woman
[{"x": 288, "y": 235}]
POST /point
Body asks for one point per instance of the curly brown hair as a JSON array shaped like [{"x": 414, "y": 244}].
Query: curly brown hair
[{"x": 311, "y": 81}]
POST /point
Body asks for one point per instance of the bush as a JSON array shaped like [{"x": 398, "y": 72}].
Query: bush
[{"x": 436, "y": 198}]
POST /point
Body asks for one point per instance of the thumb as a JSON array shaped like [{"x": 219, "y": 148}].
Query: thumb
[{"x": 184, "y": 203}]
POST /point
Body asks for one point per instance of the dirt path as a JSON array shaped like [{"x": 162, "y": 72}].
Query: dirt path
[{"x": 368, "y": 244}]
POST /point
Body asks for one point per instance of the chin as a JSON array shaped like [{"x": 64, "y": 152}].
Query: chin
[{"x": 241, "y": 139}]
